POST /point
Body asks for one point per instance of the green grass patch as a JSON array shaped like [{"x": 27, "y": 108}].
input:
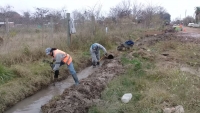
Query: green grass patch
[{"x": 5, "y": 74}]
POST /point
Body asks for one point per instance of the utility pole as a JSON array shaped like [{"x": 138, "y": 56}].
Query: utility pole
[
  {"x": 185, "y": 13},
  {"x": 93, "y": 25},
  {"x": 68, "y": 29}
]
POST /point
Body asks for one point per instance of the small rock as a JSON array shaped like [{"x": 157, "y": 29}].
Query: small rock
[
  {"x": 96, "y": 100},
  {"x": 126, "y": 97},
  {"x": 167, "y": 110},
  {"x": 76, "y": 103},
  {"x": 179, "y": 109}
]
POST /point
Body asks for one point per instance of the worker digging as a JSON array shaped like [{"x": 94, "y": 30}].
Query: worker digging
[{"x": 60, "y": 58}]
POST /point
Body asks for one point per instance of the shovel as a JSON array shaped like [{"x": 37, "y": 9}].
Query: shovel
[
  {"x": 51, "y": 65},
  {"x": 49, "y": 62},
  {"x": 110, "y": 56}
]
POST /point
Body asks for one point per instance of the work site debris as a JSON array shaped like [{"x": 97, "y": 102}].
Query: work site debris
[
  {"x": 177, "y": 109},
  {"x": 126, "y": 97}
]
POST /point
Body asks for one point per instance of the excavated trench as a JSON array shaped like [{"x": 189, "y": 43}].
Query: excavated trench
[
  {"x": 78, "y": 99},
  {"x": 33, "y": 103},
  {"x": 73, "y": 98}
]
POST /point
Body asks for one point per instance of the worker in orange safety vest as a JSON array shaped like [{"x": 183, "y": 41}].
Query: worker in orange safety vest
[{"x": 60, "y": 58}]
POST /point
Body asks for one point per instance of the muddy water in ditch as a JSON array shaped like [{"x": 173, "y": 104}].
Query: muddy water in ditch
[{"x": 32, "y": 104}]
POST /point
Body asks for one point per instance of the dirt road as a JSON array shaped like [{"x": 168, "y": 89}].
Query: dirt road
[{"x": 190, "y": 32}]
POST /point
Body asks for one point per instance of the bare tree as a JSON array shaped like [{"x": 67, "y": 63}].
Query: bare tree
[
  {"x": 57, "y": 17},
  {"x": 78, "y": 16},
  {"x": 123, "y": 9},
  {"x": 4, "y": 12},
  {"x": 188, "y": 19},
  {"x": 40, "y": 15},
  {"x": 151, "y": 14},
  {"x": 7, "y": 12},
  {"x": 94, "y": 11},
  {"x": 55, "y": 14},
  {"x": 137, "y": 9},
  {"x": 197, "y": 14},
  {"x": 26, "y": 18}
]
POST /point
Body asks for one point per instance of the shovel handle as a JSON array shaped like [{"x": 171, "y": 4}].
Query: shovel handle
[
  {"x": 137, "y": 39},
  {"x": 101, "y": 58}
]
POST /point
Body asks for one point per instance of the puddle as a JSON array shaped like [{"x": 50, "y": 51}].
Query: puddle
[
  {"x": 33, "y": 103},
  {"x": 193, "y": 35}
]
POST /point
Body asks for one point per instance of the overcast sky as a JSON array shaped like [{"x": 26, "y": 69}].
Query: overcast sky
[{"x": 176, "y": 8}]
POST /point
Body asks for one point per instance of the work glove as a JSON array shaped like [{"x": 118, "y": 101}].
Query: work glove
[
  {"x": 106, "y": 54},
  {"x": 56, "y": 73},
  {"x": 52, "y": 65},
  {"x": 53, "y": 60}
]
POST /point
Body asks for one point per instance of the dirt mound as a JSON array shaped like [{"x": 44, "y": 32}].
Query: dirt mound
[
  {"x": 152, "y": 33},
  {"x": 186, "y": 39},
  {"x": 77, "y": 99},
  {"x": 145, "y": 54},
  {"x": 151, "y": 40}
]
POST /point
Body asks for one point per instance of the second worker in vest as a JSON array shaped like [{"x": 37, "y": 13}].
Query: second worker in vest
[
  {"x": 61, "y": 58},
  {"x": 95, "y": 53}
]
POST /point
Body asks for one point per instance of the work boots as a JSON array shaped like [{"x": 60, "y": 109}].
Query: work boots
[
  {"x": 75, "y": 79},
  {"x": 54, "y": 81},
  {"x": 93, "y": 64}
]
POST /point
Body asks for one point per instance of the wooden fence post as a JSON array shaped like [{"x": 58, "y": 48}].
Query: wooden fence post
[
  {"x": 68, "y": 29},
  {"x": 52, "y": 27},
  {"x": 7, "y": 27}
]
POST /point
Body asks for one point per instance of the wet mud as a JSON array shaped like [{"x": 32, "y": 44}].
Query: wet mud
[{"x": 78, "y": 99}]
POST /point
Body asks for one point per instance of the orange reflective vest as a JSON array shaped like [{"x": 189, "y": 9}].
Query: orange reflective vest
[{"x": 67, "y": 59}]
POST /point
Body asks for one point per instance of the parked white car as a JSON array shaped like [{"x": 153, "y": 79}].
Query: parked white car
[
  {"x": 190, "y": 24},
  {"x": 196, "y": 25}
]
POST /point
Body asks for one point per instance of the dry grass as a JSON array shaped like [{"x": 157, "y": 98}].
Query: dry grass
[{"x": 186, "y": 53}]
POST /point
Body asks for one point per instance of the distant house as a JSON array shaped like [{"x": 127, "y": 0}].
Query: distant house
[{"x": 3, "y": 24}]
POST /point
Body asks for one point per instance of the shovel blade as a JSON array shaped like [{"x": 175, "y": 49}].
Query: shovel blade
[{"x": 110, "y": 57}]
